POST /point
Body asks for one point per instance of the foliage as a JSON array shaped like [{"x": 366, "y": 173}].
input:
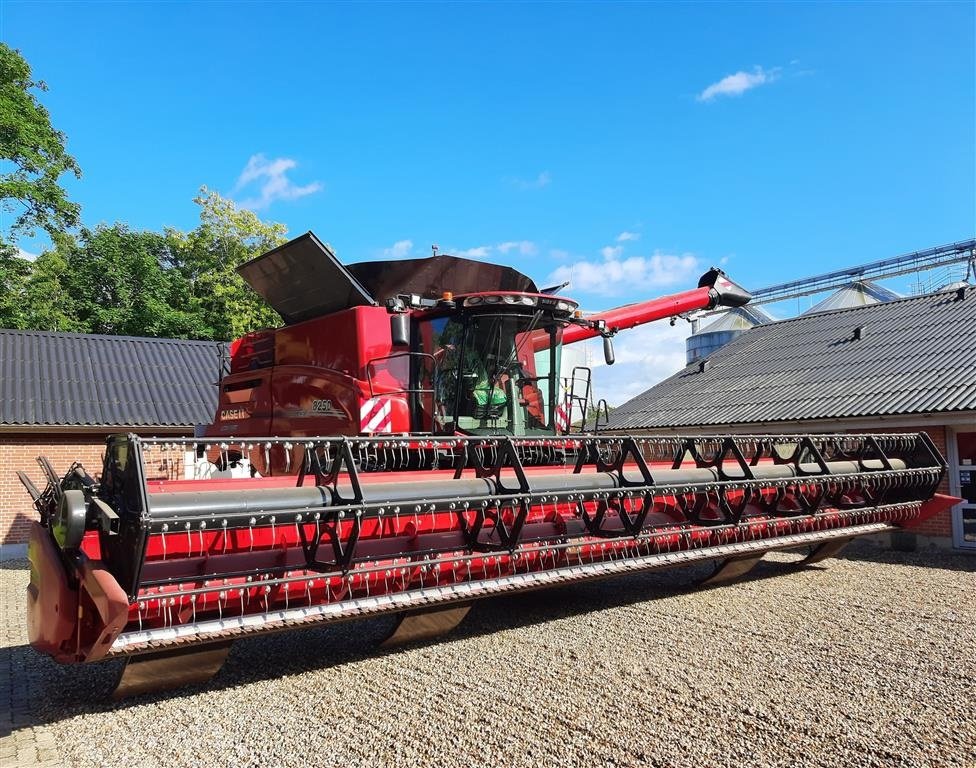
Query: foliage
[
  {"x": 31, "y": 191},
  {"x": 114, "y": 280},
  {"x": 207, "y": 258},
  {"x": 48, "y": 300},
  {"x": 14, "y": 272}
]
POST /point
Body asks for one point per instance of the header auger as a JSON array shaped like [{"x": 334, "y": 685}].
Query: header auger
[{"x": 413, "y": 466}]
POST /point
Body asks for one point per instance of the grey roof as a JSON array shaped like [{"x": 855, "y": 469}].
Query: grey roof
[
  {"x": 75, "y": 379},
  {"x": 916, "y": 355}
]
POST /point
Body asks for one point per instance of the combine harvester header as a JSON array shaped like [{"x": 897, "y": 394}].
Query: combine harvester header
[{"x": 470, "y": 485}]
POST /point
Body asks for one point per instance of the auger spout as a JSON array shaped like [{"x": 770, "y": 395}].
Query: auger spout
[{"x": 714, "y": 289}]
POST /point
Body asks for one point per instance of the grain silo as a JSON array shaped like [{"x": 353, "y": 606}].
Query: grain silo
[{"x": 720, "y": 332}]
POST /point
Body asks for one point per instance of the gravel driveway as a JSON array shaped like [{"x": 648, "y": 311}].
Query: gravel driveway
[{"x": 869, "y": 661}]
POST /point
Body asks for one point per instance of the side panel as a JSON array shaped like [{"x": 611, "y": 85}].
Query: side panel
[
  {"x": 313, "y": 401},
  {"x": 245, "y": 405},
  {"x": 52, "y": 604}
]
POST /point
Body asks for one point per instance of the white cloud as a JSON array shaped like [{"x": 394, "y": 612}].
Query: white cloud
[
  {"x": 624, "y": 237},
  {"x": 524, "y": 247},
  {"x": 739, "y": 83},
  {"x": 615, "y": 276},
  {"x": 611, "y": 251},
  {"x": 644, "y": 355},
  {"x": 401, "y": 249},
  {"x": 26, "y": 254},
  {"x": 540, "y": 181},
  {"x": 267, "y": 181}
]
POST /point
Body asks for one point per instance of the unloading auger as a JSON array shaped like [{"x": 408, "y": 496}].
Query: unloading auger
[{"x": 169, "y": 573}]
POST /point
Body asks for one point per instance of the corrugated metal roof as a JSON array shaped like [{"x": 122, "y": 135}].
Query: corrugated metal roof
[
  {"x": 74, "y": 379},
  {"x": 916, "y": 355}
]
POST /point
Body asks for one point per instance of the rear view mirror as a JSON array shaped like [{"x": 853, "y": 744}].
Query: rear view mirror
[
  {"x": 608, "y": 350},
  {"x": 400, "y": 329}
]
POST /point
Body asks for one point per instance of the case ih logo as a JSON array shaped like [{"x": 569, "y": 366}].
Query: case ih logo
[
  {"x": 232, "y": 414},
  {"x": 376, "y": 415}
]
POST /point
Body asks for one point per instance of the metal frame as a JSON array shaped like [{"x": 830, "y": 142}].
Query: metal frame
[{"x": 709, "y": 504}]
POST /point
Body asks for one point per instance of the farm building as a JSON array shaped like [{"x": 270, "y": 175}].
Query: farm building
[
  {"x": 61, "y": 394},
  {"x": 902, "y": 365}
]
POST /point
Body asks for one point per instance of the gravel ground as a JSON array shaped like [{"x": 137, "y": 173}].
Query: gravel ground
[{"x": 868, "y": 661}]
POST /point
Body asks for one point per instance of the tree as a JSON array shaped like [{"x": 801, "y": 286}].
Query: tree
[
  {"x": 31, "y": 191},
  {"x": 207, "y": 258},
  {"x": 107, "y": 280},
  {"x": 49, "y": 303},
  {"x": 117, "y": 283},
  {"x": 14, "y": 272}
]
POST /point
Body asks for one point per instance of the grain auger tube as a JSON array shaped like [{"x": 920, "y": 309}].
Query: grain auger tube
[{"x": 168, "y": 572}]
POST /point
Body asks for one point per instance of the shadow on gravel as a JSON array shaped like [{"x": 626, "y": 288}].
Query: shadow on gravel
[
  {"x": 57, "y": 692},
  {"x": 872, "y": 552}
]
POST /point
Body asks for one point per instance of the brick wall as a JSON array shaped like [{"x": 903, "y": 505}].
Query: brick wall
[
  {"x": 941, "y": 524},
  {"x": 18, "y": 452}
]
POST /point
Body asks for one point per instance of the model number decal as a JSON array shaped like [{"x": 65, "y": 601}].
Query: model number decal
[{"x": 318, "y": 408}]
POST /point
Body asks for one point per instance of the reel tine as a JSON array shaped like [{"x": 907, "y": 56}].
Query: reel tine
[
  {"x": 29, "y": 485},
  {"x": 53, "y": 481}
]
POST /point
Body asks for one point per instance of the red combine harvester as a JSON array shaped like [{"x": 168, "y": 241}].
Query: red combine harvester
[{"x": 403, "y": 445}]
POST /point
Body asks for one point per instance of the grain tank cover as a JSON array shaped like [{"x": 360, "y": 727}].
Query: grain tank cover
[
  {"x": 432, "y": 276},
  {"x": 303, "y": 279}
]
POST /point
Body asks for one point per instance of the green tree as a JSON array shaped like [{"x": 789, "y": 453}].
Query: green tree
[
  {"x": 14, "y": 272},
  {"x": 30, "y": 191},
  {"x": 119, "y": 285},
  {"x": 207, "y": 258},
  {"x": 110, "y": 280},
  {"x": 48, "y": 301}
]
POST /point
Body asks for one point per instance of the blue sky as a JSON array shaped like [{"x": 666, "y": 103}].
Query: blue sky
[{"x": 625, "y": 146}]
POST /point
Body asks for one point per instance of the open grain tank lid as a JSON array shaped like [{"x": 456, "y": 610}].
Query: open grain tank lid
[{"x": 303, "y": 279}]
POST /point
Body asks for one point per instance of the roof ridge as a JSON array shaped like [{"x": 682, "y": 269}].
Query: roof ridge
[
  {"x": 899, "y": 300},
  {"x": 98, "y": 336}
]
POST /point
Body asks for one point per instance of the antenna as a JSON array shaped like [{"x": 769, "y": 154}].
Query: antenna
[{"x": 434, "y": 248}]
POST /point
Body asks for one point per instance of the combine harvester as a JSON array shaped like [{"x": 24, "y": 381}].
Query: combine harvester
[{"x": 424, "y": 459}]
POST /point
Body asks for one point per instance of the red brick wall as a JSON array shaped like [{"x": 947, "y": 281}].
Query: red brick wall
[
  {"x": 941, "y": 524},
  {"x": 18, "y": 452}
]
